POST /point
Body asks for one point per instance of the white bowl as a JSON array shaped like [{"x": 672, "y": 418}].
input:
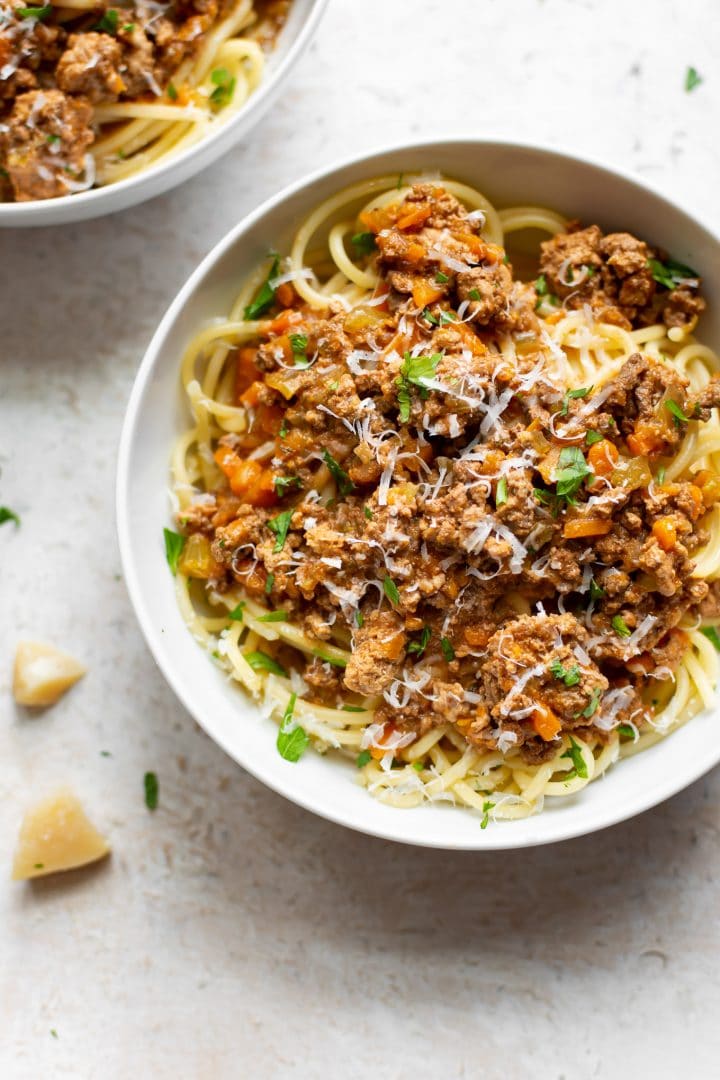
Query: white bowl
[
  {"x": 301, "y": 24},
  {"x": 509, "y": 174}
]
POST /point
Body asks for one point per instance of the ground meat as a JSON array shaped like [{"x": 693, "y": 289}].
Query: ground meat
[
  {"x": 637, "y": 401},
  {"x": 487, "y": 290},
  {"x": 90, "y": 65},
  {"x": 378, "y": 649},
  {"x": 48, "y": 138},
  {"x": 543, "y": 645},
  {"x": 613, "y": 274},
  {"x": 26, "y": 46}
]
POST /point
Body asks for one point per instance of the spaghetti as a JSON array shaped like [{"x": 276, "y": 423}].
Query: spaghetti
[
  {"x": 413, "y": 486},
  {"x": 94, "y": 95}
]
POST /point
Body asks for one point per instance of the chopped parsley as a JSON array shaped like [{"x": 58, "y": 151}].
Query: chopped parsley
[
  {"x": 38, "y": 13},
  {"x": 363, "y": 758},
  {"x": 391, "y": 590},
  {"x": 570, "y": 676},
  {"x": 592, "y": 437},
  {"x": 429, "y": 317},
  {"x": 661, "y": 475},
  {"x": 576, "y": 756},
  {"x": 336, "y": 661},
  {"x": 6, "y": 514},
  {"x": 592, "y": 705},
  {"x": 224, "y": 84},
  {"x": 677, "y": 414},
  {"x": 54, "y": 1033},
  {"x": 298, "y": 344},
  {"x": 273, "y": 616},
  {"x": 447, "y": 317},
  {"x": 354, "y": 708},
  {"x": 52, "y": 140},
  {"x": 501, "y": 492},
  {"x": 109, "y": 22},
  {"x": 174, "y": 543},
  {"x": 237, "y": 612},
  {"x": 283, "y": 429},
  {"x": 282, "y": 484},
  {"x": 260, "y": 661},
  {"x": 128, "y": 29},
  {"x": 581, "y": 392},
  {"x": 620, "y": 626},
  {"x": 474, "y": 295},
  {"x": 541, "y": 285},
  {"x": 368, "y": 513},
  {"x": 626, "y": 730},
  {"x": 596, "y": 593},
  {"x": 692, "y": 79},
  {"x": 279, "y": 526},
  {"x": 359, "y": 620},
  {"x": 421, "y": 645},
  {"x": 265, "y": 295},
  {"x": 269, "y": 582},
  {"x": 712, "y": 635},
  {"x": 573, "y": 469},
  {"x": 292, "y": 740},
  {"x": 170, "y": 88},
  {"x": 447, "y": 649},
  {"x": 441, "y": 278},
  {"x": 415, "y": 371},
  {"x": 364, "y": 242},
  {"x": 670, "y": 274},
  {"x": 152, "y": 789},
  {"x": 487, "y": 807},
  {"x": 341, "y": 478}
]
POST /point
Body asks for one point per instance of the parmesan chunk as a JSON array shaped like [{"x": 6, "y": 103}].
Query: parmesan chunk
[
  {"x": 42, "y": 673},
  {"x": 56, "y": 835}
]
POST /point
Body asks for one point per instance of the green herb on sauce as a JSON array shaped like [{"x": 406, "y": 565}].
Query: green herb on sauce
[
  {"x": 266, "y": 294},
  {"x": 174, "y": 543},
  {"x": 279, "y": 526},
  {"x": 292, "y": 740},
  {"x": 341, "y": 478},
  {"x": 620, "y": 626},
  {"x": 415, "y": 371},
  {"x": 571, "y": 395},
  {"x": 421, "y": 644},
  {"x": 109, "y": 22},
  {"x": 283, "y": 484},
  {"x": 298, "y": 344},
  {"x": 572, "y": 470},
  {"x": 570, "y": 676},
  {"x": 670, "y": 274},
  {"x": 364, "y": 243},
  {"x": 501, "y": 492},
  {"x": 676, "y": 412},
  {"x": 260, "y": 661},
  {"x": 576, "y": 756},
  {"x": 391, "y": 591},
  {"x": 441, "y": 278},
  {"x": 273, "y": 616},
  {"x": 363, "y": 758},
  {"x": 592, "y": 437},
  {"x": 269, "y": 582},
  {"x": 224, "y": 84},
  {"x": 237, "y": 612},
  {"x": 447, "y": 649}
]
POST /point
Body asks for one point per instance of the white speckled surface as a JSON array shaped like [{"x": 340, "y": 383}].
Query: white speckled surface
[{"x": 232, "y": 935}]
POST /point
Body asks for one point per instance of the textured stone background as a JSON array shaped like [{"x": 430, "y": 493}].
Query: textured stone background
[{"x": 233, "y": 935}]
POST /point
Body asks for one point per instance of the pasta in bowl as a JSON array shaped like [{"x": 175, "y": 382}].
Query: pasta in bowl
[{"x": 452, "y": 520}]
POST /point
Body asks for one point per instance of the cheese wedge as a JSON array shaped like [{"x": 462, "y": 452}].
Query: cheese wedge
[
  {"x": 43, "y": 673},
  {"x": 56, "y": 835}
]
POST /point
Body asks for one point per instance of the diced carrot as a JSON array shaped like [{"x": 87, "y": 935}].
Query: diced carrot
[
  {"x": 285, "y": 294},
  {"x": 250, "y": 397},
  {"x": 417, "y": 216},
  {"x": 379, "y": 751},
  {"x": 602, "y": 457},
  {"x": 580, "y": 527},
  {"x": 245, "y": 371},
  {"x": 475, "y": 243},
  {"x": 379, "y": 218},
  {"x": 645, "y": 440},
  {"x": 247, "y": 478},
  {"x": 545, "y": 722},
  {"x": 415, "y": 252},
  {"x": 284, "y": 321},
  {"x": 424, "y": 293},
  {"x": 476, "y": 636},
  {"x": 665, "y": 533}
]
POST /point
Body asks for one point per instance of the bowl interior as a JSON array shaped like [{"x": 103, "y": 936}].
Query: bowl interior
[
  {"x": 295, "y": 35},
  {"x": 508, "y": 175}
]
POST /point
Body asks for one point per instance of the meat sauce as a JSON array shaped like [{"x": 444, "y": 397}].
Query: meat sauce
[{"x": 498, "y": 550}]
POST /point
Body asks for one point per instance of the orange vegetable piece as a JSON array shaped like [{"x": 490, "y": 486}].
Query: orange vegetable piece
[
  {"x": 285, "y": 294},
  {"x": 645, "y": 440},
  {"x": 665, "y": 533},
  {"x": 417, "y": 216},
  {"x": 415, "y": 252},
  {"x": 247, "y": 478},
  {"x": 545, "y": 722},
  {"x": 285, "y": 321},
  {"x": 250, "y": 397},
  {"x": 424, "y": 293},
  {"x": 381, "y": 217},
  {"x": 602, "y": 457},
  {"x": 245, "y": 371},
  {"x": 580, "y": 527}
]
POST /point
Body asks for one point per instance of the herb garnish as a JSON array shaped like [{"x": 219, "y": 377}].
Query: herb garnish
[
  {"x": 354, "y": 708},
  {"x": 596, "y": 593},
  {"x": 152, "y": 789},
  {"x": 363, "y": 758},
  {"x": 501, "y": 491},
  {"x": 260, "y": 661},
  {"x": 415, "y": 371},
  {"x": 626, "y": 730},
  {"x": 711, "y": 634},
  {"x": 269, "y": 582},
  {"x": 474, "y": 295},
  {"x": 487, "y": 807},
  {"x": 592, "y": 437},
  {"x": 38, "y": 13},
  {"x": 391, "y": 590},
  {"x": 570, "y": 676},
  {"x": 368, "y": 513},
  {"x": 174, "y": 543},
  {"x": 677, "y": 414},
  {"x": 341, "y": 478},
  {"x": 447, "y": 649},
  {"x": 170, "y": 88},
  {"x": 591, "y": 707},
  {"x": 6, "y": 514},
  {"x": 109, "y": 22},
  {"x": 364, "y": 242},
  {"x": 298, "y": 344},
  {"x": 576, "y": 756},
  {"x": 420, "y": 646},
  {"x": 273, "y": 616},
  {"x": 441, "y": 278},
  {"x": 692, "y": 79},
  {"x": 266, "y": 294},
  {"x": 336, "y": 661},
  {"x": 292, "y": 740},
  {"x": 573, "y": 469},
  {"x": 581, "y": 392},
  {"x": 670, "y": 273},
  {"x": 620, "y": 626},
  {"x": 224, "y": 84},
  {"x": 237, "y": 612},
  {"x": 282, "y": 484},
  {"x": 279, "y": 525}
]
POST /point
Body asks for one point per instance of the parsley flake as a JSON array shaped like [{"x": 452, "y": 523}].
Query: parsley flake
[
  {"x": 677, "y": 414},
  {"x": 415, "y": 371},
  {"x": 292, "y": 740},
  {"x": 501, "y": 492},
  {"x": 266, "y": 294},
  {"x": 487, "y": 807},
  {"x": 421, "y": 645},
  {"x": 592, "y": 437},
  {"x": 341, "y": 478},
  {"x": 269, "y": 582},
  {"x": 573, "y": 469},
  {"x": 237, "y": 612},
  {"x": 38, "y": 13},
  {"x": 174, "y": 543},
  {"x": 441, "y": 278},
  {"x": 364, "y": 242},
  {"x": 279, "y": 526},
  {"x": 670, "y": 274},
  {"x": 581, "y": 392},
  {"x": 591, "y": 707},
  {"x": 273, "y": 616},
  {"x": 298, "y": 344},
  {"x": 576, "y": 756},
  {"x": 620, "y": 626},
  {"x": 109, "y": 22},
  {"x": 152, "y": 789},
  {"x": 447, "y": 649},
  {"x": 283, "y": 484},
  {"x": 224, "y": 84},
  {"x": 363, "y": 758},
  {"x": 260, "y": 661},
  {"x": 692, "y": 79},
  {"x": 391, "y": 590},
  {"x": 570, "y": 676},
  {"x": 8, "y": 515}
]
